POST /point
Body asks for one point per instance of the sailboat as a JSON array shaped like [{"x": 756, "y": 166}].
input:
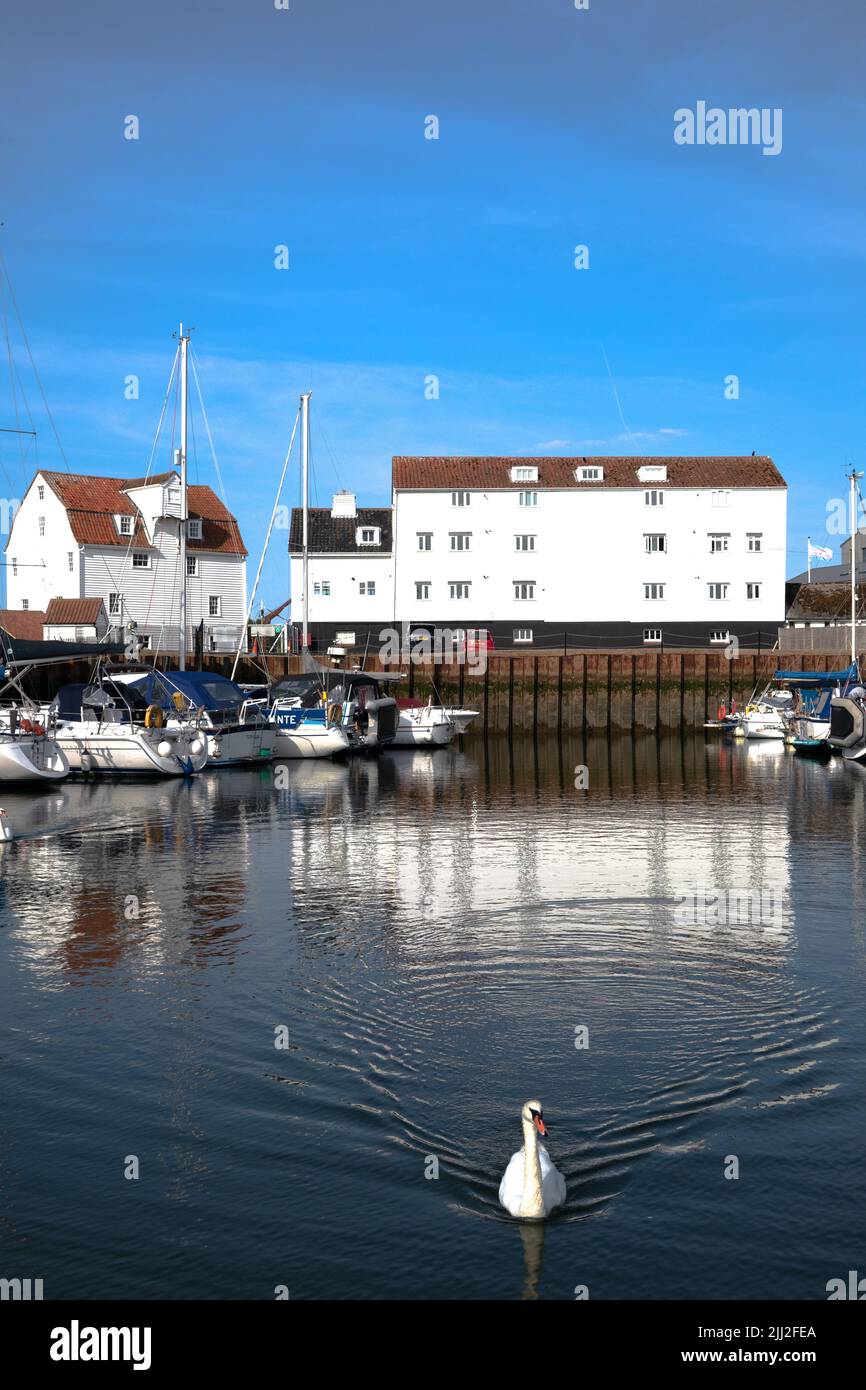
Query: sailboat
[{"x": 847, "y": 732}]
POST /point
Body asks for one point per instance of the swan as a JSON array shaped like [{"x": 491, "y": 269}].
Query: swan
[{"x": 531, "y": 1186}]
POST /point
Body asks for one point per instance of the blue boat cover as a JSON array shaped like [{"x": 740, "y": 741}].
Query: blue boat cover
[
  {"x": 822, "y": 678},
  {"x": 204, "y": 689}
]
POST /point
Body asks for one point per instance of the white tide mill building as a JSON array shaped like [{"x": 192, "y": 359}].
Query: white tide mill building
[
  {"x": 584, "y": 552},
  {"x": 78, "y": 536}
]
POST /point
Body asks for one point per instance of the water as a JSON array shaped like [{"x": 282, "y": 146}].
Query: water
[{"x": 430, "y": 930}]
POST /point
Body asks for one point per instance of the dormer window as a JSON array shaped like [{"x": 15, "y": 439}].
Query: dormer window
[
  {"x": 653, "y": 473},
  {"x": 368, "y": 535},
  {"x": 524, "y": 473},
  {"x": 193, "y": 528},
  {"x": 124, "y": 525},
  {"x": 589, "y": 473}
]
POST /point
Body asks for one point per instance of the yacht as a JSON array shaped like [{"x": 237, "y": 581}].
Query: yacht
[
  {"x": 110, "y": 727},
  {"x": 235, "y": 728}
]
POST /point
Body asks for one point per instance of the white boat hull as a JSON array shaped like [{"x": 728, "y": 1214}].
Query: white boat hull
[
  {"x": 127, "y": 751},
  {"x": 310, "y": 741},
  {"x": 253, "y": 745},
  {"x": 24, "y": 759}
]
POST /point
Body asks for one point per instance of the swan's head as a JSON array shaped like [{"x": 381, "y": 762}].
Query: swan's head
[{"x": 532, "y": 1114}]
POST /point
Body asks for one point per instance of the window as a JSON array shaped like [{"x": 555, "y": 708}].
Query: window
[
  {"x": 115, "y": 605},
  {"x": 124, "y": 525},
  {"x": 655, "y": 542},
  {"x": 422, "y": 590},
  {"x": 460, "y": 499},
  {"x": 25, "y": 603},
  {"x": 653, "y": 497},
  {"x": 459, "y": 588},
  {"x": 70, "y": 555},
  {"x": 652, "y": 635},
  {"x": 41, "y": 491},
  {"x": 524, "y": 474},
  {"x": 590, "y": 475},
  {"x": 425, "y": 540},
  {"x": 192, "y": 566},
  {"x": 344, "y": 639},
  {"x": 653, "y": 591},
  {"x": 140, "y": 560},
  {"x": 717, "y": 591},
  {"x": 143, "y": 639},
  {"x": 368, "y": 535},
  {"x": 42, "y": 526},
  {"x": 193, "y": 528},
  {"x": 524, "y": 542},
  {"x": 174, "y": 496},
  {"x": 322, "y": 588},
  {"x": 718, "y": 541},
  {"x": 522, "y": 634},
  {"x": 368, "y": 588},
  {"x": 753, "y": 540},
  {"x": 14, "y": 567},
  {"x": 215, "y": 606},
  {"x": 528, "y": 499},
  {"x": 720, "y": 634},
  {"x": 79, "y": 634},
  {"x": 460, "y": 540},
  {"x": 721, "y": 498},
  {"x": 524, "y": 589},
  {"x": 753, "y": 591}
]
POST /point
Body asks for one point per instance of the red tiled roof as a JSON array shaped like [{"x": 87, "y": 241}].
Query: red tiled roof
[
  {"x": 74, "y": 612},
  {"x": 25, "y": 623},
  {"x": 713, "y": 471},
  {"x": 92, "y": 503}
]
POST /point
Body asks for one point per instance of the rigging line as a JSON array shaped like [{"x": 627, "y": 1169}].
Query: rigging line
[
  {"x": 233, "y": 525},
  {"x": 616, "y": 398},
  {"x": 265, "y": 546},
  {"x": 11, "y": 381},
  {"x": 118, "y": 584},
  {"x": 336, "y": 467},
  {"x": 23, "y": 331}
]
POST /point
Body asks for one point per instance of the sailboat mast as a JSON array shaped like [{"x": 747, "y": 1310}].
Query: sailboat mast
[
  {"x": 305, "y": 474},
  {"x": 184, "y": 397}
]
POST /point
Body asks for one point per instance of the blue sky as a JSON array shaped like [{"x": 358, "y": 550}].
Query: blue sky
[{"x": 411, "y": 257}]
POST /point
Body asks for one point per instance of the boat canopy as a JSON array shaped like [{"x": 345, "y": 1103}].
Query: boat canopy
[
  {"x": 823, "y": 679},
  {"x": 205, "y": 689}
]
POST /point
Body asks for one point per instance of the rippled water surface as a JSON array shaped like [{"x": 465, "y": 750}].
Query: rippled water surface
[{"x": 430, "y": 930}]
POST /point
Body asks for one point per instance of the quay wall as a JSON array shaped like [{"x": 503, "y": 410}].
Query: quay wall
[
  {"x": 586, "y": 691},
  {"x": 582, "y": 692}
]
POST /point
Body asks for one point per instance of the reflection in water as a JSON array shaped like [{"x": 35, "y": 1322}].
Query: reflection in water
[{"x": 429, "y": 931}]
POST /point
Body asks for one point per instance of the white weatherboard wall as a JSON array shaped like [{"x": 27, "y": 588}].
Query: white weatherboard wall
[
  {"x": 590, "y": 560},
  {"x": 151, "y": 595},
  {"x": 346, "y": 606},
  {"x": 43, "y": 571}
]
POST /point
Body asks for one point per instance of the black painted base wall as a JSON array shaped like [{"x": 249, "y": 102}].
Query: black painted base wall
[{"x": 574, "y": 636}]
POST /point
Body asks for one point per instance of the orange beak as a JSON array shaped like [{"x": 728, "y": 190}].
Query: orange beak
[{"x": 539, "y": 1124}]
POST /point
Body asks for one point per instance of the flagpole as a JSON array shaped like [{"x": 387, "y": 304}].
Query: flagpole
[{"x": 808, "y": 559}]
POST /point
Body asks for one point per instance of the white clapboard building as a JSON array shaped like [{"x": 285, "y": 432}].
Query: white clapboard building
[
  {"x": 78, "y": 536},
  {"x": 553, "y": 552},
  {"x": 351, "y": 572}
]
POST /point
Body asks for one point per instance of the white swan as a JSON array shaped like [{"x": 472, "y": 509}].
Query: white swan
[{"x": 531, "y": 1185}]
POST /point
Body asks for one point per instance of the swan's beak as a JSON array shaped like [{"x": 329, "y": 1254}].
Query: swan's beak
[{"x": 539, "y": 1124}]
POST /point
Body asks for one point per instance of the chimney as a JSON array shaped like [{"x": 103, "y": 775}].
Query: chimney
[{"x": 344, "y": 504}]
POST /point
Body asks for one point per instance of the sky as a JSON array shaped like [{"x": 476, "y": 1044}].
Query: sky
[{"x": 412, "y": 257}]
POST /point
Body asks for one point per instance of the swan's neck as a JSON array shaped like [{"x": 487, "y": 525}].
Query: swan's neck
[{"x": 532, "y": 1203}]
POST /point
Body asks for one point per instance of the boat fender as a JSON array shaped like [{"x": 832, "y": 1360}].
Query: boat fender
[
  {"x": 335, "y": 714},
  {"x": 163, "y": 748},
  {"x": 720, "y": 714},
  {"x": 5, "y": 828},
  {"x": 153, "y": 717},
  {"x": 86, "y": 762}
]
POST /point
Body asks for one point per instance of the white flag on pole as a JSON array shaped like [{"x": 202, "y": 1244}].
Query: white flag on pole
[{"x": 819, "y": 552}]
